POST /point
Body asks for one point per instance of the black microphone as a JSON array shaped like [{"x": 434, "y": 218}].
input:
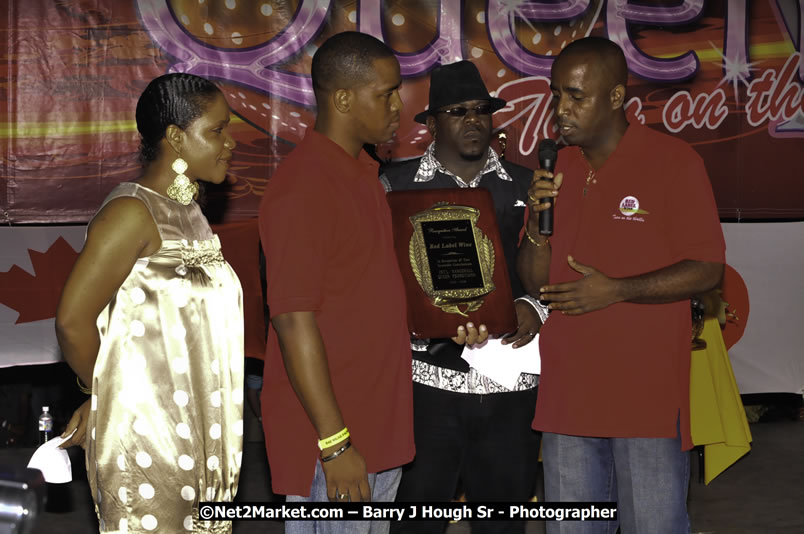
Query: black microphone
[{"x": 548, "y": 153}]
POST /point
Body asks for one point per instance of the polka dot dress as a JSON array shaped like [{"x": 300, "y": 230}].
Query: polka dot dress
[{"x": 166, "y": 426}]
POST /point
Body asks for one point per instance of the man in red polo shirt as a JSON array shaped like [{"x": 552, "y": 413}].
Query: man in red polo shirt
[
  {"x": 636, "y": 235},
  {"x": 337, "y": 397}
]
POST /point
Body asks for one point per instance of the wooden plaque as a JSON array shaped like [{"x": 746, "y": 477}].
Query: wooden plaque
[{"x": 450, "y": 254}]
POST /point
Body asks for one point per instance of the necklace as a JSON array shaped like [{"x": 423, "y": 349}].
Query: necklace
[
  {"x": 590, "y": 179},
  {"x": 590, "y": 176}
]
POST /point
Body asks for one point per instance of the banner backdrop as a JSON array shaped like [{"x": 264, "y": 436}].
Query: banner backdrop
[
  {"x": 724, "y": 75},
  {"x": 36, "y": 260}
]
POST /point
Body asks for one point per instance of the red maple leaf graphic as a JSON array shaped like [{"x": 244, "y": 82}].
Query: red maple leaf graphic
[{"x": 36, "y": 297}]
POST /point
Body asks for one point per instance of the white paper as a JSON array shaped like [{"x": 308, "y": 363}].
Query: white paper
[
  {"x": 53, "y": 462},
  {"x": 503, "y": 363}
]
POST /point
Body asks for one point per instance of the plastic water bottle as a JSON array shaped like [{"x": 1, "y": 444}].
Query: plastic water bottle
[{"x": 45, "y": 425}]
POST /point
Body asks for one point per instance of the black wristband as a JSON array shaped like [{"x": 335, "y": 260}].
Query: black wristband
[{"x": 336, "y": 453}]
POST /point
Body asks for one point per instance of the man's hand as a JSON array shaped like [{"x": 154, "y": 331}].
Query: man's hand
[
  {"x": 78, "y": 422},
  {"x": 470, "y": 335},
  {"x": 346, "y": 475},
  {"x": 543, "y": 185},
  {"x": 528, "y": 325},
  {"x": 533, "y": 259},
  {"x": 593, "y": 292}
]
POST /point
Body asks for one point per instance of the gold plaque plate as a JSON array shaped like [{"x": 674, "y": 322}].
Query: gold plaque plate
[{"x": 451, "y": 258}]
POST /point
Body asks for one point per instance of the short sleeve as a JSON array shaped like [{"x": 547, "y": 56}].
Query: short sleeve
[
  {"x": 294, "y": 235},
  {"x": 693, "y": 229}
]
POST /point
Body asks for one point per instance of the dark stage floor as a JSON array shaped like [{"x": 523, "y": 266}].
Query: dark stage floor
[{"x": 762, "y": 493}]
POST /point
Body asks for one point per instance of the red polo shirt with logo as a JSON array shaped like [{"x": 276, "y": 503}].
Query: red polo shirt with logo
[
  {"x": 624, "y": 371},
  {"x": 326, "y": 233}
]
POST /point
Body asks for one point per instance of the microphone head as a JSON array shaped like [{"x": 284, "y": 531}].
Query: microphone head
[{"x": 548, "y": 150}]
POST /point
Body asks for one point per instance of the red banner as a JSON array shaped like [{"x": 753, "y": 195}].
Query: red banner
[{"x": 725, "y": 76}]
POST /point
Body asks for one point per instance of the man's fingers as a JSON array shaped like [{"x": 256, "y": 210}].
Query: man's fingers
[
  {"x": 365, "y": 490},
  {"x": 470, "y": 335},
  {"x": 344, "y": 476},
  {"x": 524, "y": 340},
  {"x": 476, "y": 336},
  {"x": 541, "y": 174},
  {"x": 536, "y": 193},
  {"x": 554, "y": 289},
  {"x": 515, "y": 336},
  {"x": 579, "y": 267},
  {"x": 519, "y": 340},
  {"x": 460, "y": 339},
  {"x": 483, "y": 334},
  {"x": 341, "y": 492},
  {"x": 555, "y": 298},
  {"x": 569, "y": 307},
  {"x": 355, "y": 492},
  {"x": 546, "y": 180}
]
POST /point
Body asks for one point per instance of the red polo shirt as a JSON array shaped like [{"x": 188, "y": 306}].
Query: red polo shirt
[
  {"x": 326, "y": 232},
  {"x": 624, "y": 371}
]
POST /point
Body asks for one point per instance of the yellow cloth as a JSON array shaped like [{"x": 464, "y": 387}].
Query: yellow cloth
[{"x": 717, "y": 417}]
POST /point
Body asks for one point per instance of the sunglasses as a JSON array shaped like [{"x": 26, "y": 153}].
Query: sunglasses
[{"x": 482, "y": 109}]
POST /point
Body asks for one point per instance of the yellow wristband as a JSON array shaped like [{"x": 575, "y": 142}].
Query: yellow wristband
[
  {"x": 527, "y": 234},
  {"x": 333, "y": 439}
]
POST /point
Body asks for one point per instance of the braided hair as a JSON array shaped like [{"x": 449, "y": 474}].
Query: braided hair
[{"x": 178, "y": 99}]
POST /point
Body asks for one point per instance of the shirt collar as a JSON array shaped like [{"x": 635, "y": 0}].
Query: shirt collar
[{"x": 430, "y": 165}]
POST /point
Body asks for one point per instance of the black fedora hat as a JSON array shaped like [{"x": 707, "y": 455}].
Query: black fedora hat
[{"x": 455, "y": 83}]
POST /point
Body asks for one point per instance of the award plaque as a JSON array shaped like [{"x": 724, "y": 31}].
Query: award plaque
[{"x": 450, "y": 254}]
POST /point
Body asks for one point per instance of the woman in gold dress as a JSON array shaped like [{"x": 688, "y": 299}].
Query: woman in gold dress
[{"x": 151, "y": 318}]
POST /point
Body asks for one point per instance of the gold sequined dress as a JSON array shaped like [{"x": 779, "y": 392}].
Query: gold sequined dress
[{"x": 166, "y": 426}]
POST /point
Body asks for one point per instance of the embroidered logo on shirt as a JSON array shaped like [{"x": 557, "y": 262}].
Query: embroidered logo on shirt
[
  {"x": 629, "y": 206},
  {"x": 519, "y": 204}
]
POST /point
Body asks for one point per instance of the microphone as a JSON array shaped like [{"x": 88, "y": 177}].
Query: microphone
[{"x": 548, "y": 153}]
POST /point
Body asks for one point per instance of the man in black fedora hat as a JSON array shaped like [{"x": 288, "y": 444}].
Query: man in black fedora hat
[{"x": 467, "y": 427}]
